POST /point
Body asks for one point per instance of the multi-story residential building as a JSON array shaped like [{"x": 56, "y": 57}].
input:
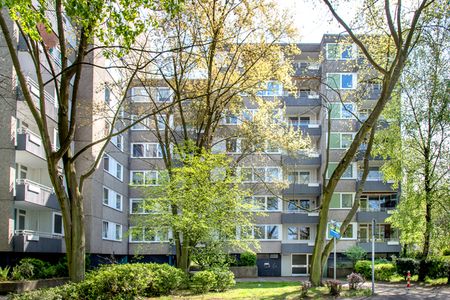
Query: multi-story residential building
[{"x": 112, "y": 196}]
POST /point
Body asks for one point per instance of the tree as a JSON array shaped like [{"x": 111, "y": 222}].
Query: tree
[
  {"x": 422, "y": 165},
  {"x": 355, "y": 253},
  {"x": 386, "y": 49},
  {"x": 221, "y": 78},
  {"x": 94, "y": 26},
  {"x": 210, "y": 203}
]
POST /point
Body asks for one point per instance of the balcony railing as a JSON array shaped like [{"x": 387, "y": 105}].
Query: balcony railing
[
  {"x": 34, "y": 185},
  {"x": 34, "y": 89},
  {"x": 38, "y": 234}
]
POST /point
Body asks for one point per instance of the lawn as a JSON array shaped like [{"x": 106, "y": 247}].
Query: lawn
[
  {"x": 268, "y": 291},
  {"x": 428, "y": 281}
]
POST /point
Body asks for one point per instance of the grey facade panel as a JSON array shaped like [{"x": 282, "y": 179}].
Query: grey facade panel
[
  {"x": 47, "y": 245},
  {"x": 380, "y": 247},
  {"x": 24, "y": 143},
  {"x": 367, "y": 216},
  {"x": 301, "y": 101},
  {"x": 302, "y": 189},
  {"x": 378, "y": 186},
  {"x": 296, "y": 248},
  {"x": 294, "y": 218}
]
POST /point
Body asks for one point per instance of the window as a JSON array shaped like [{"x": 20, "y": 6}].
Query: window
[
  {"x": 113, "y": 167},
  {"x": 56, "y": 143},
  {"x": 57, "y": 224},
  {"x": 143, "y": 234},
  {"x": 383, "y": 233},
  {"x": 21, "y": 219},
  {"x": 118, "y": 141},
  {"x": 342, "y": 111},
  {"x": 111, "y": 231},
  {"x": 265, "y": 174},
  {"x": 374, "y": 174},
  {"x": 340, "y": 140},
  {"x": 341, "y": 81},
  {"x": 162, "y": 121},
  {"x": 349, "y": 173},
  {"x": 107, "y": 95},
  {"x": 264, "y": 203},
  {"x": 378, "y": 202},
  {"x": 273, "y": 88},
  {"x": 146, "y": 150},
  {"x": 230, "y": 119},
  {"x": 341, "y": 51},
  {"x": 233, "y": 145},
  {"x": 349, "y": 234},
  {"x": 142, "y": 125},
  {"x": 299, "y": 205},
  {"x": 299, "y": 177},
  {"x": 112, "y": 199},
  {"x": 140, "y": 94},
  {"x": 342, "y": 200},
  {"x": 162, "y": 94},
  {"x": 249, "y": 114},
  {"x": 266, "y": 232},
  {"x": 302, "y": 233},
  {"x": 144, "y": 177},
  {"x": 272, "y": 148}
]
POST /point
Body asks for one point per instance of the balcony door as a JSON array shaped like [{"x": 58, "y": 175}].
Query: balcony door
[{"x": 301, "y": 263}]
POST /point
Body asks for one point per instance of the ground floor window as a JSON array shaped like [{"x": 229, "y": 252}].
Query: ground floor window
[{"x": 301, "y": 263}]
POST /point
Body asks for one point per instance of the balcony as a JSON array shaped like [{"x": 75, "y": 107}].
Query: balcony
[
  {"x": 312, "y": 129},
  {"x": 381, "y": 245},
  {"x": 51, "y": 107},
  {"x": 297, "y": 247},
  {"x": 376, "y": 186},
  {"x": 294, "y": 217},
  {"x": 31, "y": 152},
  {"x": 35, "y": 194},
  {"x": 307, "y": 69},
  {"x": 304, "y": 159},
  {"x": 310, "y": 189},
  {"x": 35, "y": 241},
  {"x": 303, "y": 99},
  {"x": 366, "y": 216}
]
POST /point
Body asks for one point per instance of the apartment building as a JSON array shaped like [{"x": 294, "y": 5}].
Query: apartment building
[{"x": 113, "y": 197}]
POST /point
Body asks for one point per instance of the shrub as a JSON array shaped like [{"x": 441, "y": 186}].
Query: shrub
[
  {"x": 383, "y": 271},
  {"x": 165, "y": 279},
  {"x": 446, "y": 252},
  {"x": 403, "y": 265},
  {"x": 203, "y": 282},
  {"x": 304, "y": 287},
  {"x": 438, "y": 267},
  {"x": 224, "y": 279},
  {"x": 355, "y": 253},
  {"x": 24, "y": 270},
  {"x": 4, "y": 273},
  {"x": 335, "y": 287},
  {"x": 355, "y": 281},
  {"x": 247, "y": 258}
]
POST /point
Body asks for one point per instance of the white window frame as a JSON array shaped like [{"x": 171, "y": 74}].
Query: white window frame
[
  {"x": 112, "y": 232},
  {"x": 53, "y": 224},
  {"x": 298, "y": 240},
  {"x": 143, "y": 241},
  {"x": 354, "y": 167},
  {"x": 342, "y": 108},
  {"x": 340, "y": 200},
  {"x": 354, "y": 80},
  {"x": 255, "y": 207},
  {"x": 113, "y": 167},
  {"x": 255, "y": 179},
  {"x": 145, "y": 154},
  {"x": 144, "y": 177},
  {"x": 340, "y": 139},
  {"x": 112, "y": 199},
  {"x": 341, "y": 45},
  {"x": 115, "y": 141},
  {"x": 140, "y": 98},
  {"x": 280, "y": 232},
  {"x": 354, "y": 232},
  {"x": 224, "y": 119}
]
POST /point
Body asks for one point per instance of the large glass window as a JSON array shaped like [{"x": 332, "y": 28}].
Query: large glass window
[
  {"x": 348, "y": 173},
  {"x": 342, "y": 200},
  {"x": 341, "y": 51},
  {"x": 342, "y": 111},
  {"x": 341, "y": 81},
  {"x": 144, "y": 177}
]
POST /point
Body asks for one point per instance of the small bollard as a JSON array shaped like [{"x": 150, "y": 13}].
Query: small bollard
[{"x": 408, "y": 278}]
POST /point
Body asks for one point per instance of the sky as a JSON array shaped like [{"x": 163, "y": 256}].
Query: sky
[{"x": 313, "y": 18}]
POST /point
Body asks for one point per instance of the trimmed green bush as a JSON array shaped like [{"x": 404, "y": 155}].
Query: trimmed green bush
[
  {"x": 403, "y": 265},
  {"x": 383, "y": 271},
  {"x": 224, "y": 279},
  {"x": 126, "y": 281},
  {"x": 438, "y": 267},
  {"x": 247, "y": 258},
  {"x": 203, "y": 282}
]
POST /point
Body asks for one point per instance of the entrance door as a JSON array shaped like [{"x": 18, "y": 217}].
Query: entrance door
[{"x": 301, "y": 264}]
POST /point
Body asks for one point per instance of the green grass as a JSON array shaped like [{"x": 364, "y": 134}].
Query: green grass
[
  {"x": 268, "y": 291},
  {"x": 398, "y": 278}
]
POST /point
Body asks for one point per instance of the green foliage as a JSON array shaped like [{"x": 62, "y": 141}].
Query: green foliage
[
  {"x": 224, "y": 279},
  {"x": 24, "y": 270},
  {"x": 33, "y": 268},
  {"x": 211, "y": 256},
  {"x": 248, "y": 258},
  {"x": 403, "y": 265},
  {"x": 446, "y": 252},
  {"x": 165, "y": 279},
  {"x": 355, "y": 253},
  {"x": 4, "y": 273},
  {"x": 437, "y": 267},
  {"x": 203, "y": 282},
  {"x": 383, "y": 270}
]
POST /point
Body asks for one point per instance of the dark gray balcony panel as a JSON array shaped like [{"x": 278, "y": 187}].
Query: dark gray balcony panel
[
  {"x": 309, "y": 130},
  {"x": 31, "y": 143},
  {"x": 296, "y": 248},
  {"x": 377, "y": 186},
  {"x": 380, "y": 247},
  {"x": 367, "y": 216},
  {"x": 294, "y": 218},
  {"x": 302, "y": 189},
  {"x": 307, "y": 72},
  {"x": 301, "y": 160},
  {"x": 30, "y": 243},
  {"x": 35, "y": 194},
  {"x": 301, "y": 101}
]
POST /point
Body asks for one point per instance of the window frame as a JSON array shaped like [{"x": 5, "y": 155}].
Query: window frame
[
  {"x": 340, "y": 86},
  {"x": 112, "y": 199},
  {"x": 354, "y": 232},
  {"x": 352, "y": 165},
  {"x": 144, "y": 177},
  {"x": 53, "y": 224},
  {"x": 354, "y": 52},
  {"x": 159, "y": 150},
  {"x": 109, "y": 231},
  {"x": 340, "y": 139},
  {"x": 113, "y": 169},
  {"x": 340, "y": 200}
]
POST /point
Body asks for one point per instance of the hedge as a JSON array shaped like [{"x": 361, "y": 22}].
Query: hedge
[{"x": 383, "y": 271}]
